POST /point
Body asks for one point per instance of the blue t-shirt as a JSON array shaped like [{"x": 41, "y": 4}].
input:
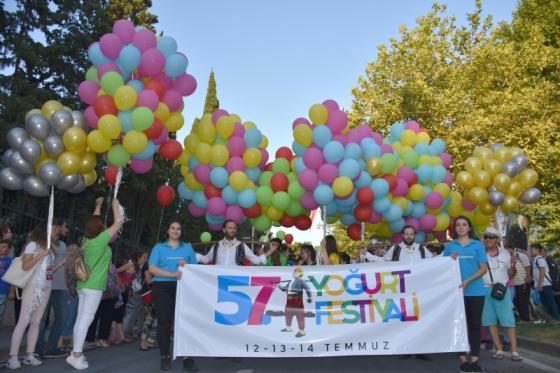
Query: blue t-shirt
[
  {"x": 470, "y": 257},
  {"x": 4, "y": 265},
  {"x": 167, "y": 258}
]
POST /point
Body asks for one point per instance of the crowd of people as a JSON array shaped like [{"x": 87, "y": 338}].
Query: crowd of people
[{"x": 121, "y": 301}]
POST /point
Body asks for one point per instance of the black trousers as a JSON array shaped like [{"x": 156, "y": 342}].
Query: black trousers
[
  {"x": 473, "y": 312},
  {"x": 163, "y": 293},
  {"x": 101, "y": 324},
  {"x": 522, "y": 301}
]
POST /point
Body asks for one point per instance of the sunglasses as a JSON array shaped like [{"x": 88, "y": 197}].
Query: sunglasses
[{"x": 490, "y": 237}]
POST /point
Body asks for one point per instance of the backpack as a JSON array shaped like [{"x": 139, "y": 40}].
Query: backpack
[
  {"x": 554, "y": 272},
  {"x": 397, "y": 252}
]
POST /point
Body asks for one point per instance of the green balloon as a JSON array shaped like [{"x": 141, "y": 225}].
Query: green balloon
[
  {"x": 219, "y": 140},
  {"x": 281, "y": 165},
  {"x": 263, "y": 238},
  {"x": 142, "y": 118},
  {"x": 264, "y": 195},
  {"x": 295, "y": 190},
  {"x": 117, "y": 156},
  {"x": 265, "y": 177},
  {"x": 390, "y": 162},
  {"x": 91, "y": 74},
  {"x": 205, "y": 237},
  {"x": 262, "y": 223},
  {"x": 410, "y": 158},
  {"x": 281, "y": 200},
  {"x": 281, "y": 235},
  {"x": 332, "y": 219},
  {"x": 111, "y": 81},
  {"x": 292, "y": 177}
]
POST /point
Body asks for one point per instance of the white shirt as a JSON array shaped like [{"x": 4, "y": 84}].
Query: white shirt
[
  {"x": 226, "y": 254},
  {"x": 31, "y": 248},
  {"x": 522, "y": 262},
  {"x": 499, "y": 264},
  {"x": 540, "y": 262},
  {"x": 409, "y": 254}
]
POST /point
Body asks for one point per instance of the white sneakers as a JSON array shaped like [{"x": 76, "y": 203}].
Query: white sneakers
[
  {"x": 29, "y": 359},
  {"x": 13, "y": 363},
  {"x": 78, "y": 363}
]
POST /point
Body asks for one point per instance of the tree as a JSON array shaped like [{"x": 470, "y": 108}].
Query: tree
[{"x": 211, "y": 103}]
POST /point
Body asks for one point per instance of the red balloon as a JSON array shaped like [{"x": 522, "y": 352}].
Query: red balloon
[
  {"x": 211, "y": 191},
  {"x": 268, "y": 167},
  {"x": 253, "y": 212},
  {"x": 363, "y": 212},
  {"x": 165, "y": 195},
  {"x": 391, "y": 180},
  {"x": 365, "y": 195},
  {"x": 287, "y": 221},
  {"x": 289, "y": 238},
  {"x": 155, "y": 130},
  {"x": 156, "y": 86},
  {"x": 111, "y": 174},
  {"x": 354, "y": 231},
  {"x": 303, "y": 223},
  {"x": 284, "y": 152},
  {"x": 170, "y": 149},
  {"x": 104, "y": 105},
  {"x": 279, "y": 182}
]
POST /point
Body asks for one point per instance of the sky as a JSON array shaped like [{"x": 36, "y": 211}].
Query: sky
[{"x": 274, "y": 59}]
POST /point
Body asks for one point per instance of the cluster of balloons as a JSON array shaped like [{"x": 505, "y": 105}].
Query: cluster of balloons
[
  {"x": 221, "y": 165},
  {"x": 498, "y": 177},
  {"x": 50, "y": 151},
  {"x": 135, "y": 92}
]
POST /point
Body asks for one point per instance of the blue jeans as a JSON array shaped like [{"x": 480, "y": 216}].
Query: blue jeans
[
  {"x": 59, "y": 302},
  {"x": 72, "y": 314},
  {"x": 547, "y": 299}
]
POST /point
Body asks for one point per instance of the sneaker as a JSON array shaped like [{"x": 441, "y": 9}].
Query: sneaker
[
  {"x": 102, "y": 343},
  {"x": 465, "y": 368},
  {"x": 88, "y": 346},
  {"x": 301, "y": 333},
  {"x": 476, "y": 368},
  {"x": 30, "y": 359},
  {"x": 189, "y": 365},
  {"x": 56, "y": 353},
  {"x": 286, "y": 330},
  {"x": 78, "y": 363},
  {"x": 13, "y": 363}
]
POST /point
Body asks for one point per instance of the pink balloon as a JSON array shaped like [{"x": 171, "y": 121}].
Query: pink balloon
[
  {"x": 308, "y": 179},
  {"x": 413, "y": 223},
  {"x": 313, "y": 158},
  {"x": 386, "y": 149},
  {"x": 445, "y": 159},
  {"x": 401, "y": 189},
  {"x": 238, "y": 130},
  {"x": 124, "y": 29},
  {"x": 343, "y": 139},
  {"x": 163, "y": 137},
  {"x": 300, "y": 121},
  {"x": 327, "y": 173},
  {"x": 412, "y": 125},
  {"x": 364, "y": 131},
  {"x": 218, "y": 114},
  {"x": 152, "y": 61},
  {"x": 434, "y": 200},
  {"x": 141, "y": 166},
  {"x": 216, "y": 206},
  {"x": 87, "y": 90},
  {"x": 110, "y": 45},
  {"x": 354, "y": 136},
  {"x": 337, "y": 121},
  {"x": 215, "y": 227},
  {"x": 173, "y": 100},
  {"x": 91, "y": 117},
  {"x": 448, "y": 179},
  {"x": 375, "y": 217},
  {"x": 467, "y": 205},
  {"x": 144, "y": 39},
  {"x": 407, "y": 174},
  {"x": 235, "y": 213},
  {"x": 202, "y": 173},
  {"x": 308, "y": 202},
  {"x": 331, "y": 105},
  {"x": 396, "y": 238},
  {"x": 235, "y": 164},
  {"x": 236, "y": 146},
  {"x": 377, "y": 138},
  {"x": 195, "y": 211},
  {"x": 441, "y": 236},
  {"x": 185, "y": 84},
  {"x": 428, "y": 222},
  {"x": 106, "y": 67},
  {"x": 166, "y": 81},
  {"x": 264, "y": 157},
  {"x": 148, "y": 98}
]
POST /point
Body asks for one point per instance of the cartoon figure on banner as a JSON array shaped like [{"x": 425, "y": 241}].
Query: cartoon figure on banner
[{"x": 294, "y": 301}]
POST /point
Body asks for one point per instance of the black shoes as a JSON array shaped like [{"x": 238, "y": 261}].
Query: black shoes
[
  {"x": 423, "y": 357},
  {"x": 165, "y": 363},
  {"x": 189, "y": 365}
]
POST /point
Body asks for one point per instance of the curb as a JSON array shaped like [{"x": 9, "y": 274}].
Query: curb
[{"x": 538, "y": 346}]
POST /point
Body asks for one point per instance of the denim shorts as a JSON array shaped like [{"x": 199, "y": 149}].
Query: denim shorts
[{"x": 498, "y": 311}]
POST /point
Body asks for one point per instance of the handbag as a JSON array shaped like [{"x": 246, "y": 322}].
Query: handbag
[
  {"x": 16, "y": 275},
  {"x": 81, "y": 271},
  {"x": 498, "y": 290}
]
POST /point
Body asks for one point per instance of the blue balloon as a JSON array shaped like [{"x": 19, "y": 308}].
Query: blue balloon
[
  {"x": 323, "y": 195},
  {"x": 363, "y": 181},
  {"x": 137, "y": 85},
  {"x": 352, "y": 151},
  {"x": 349, "y": 168},
  {"x": 252, "y": 137},
  {"x": 418, "y": 210},
  {"x": 380, "y": 188},
  {"x": 370, "y": 148},
  {"x": 148, "y": 151},
  {"x": 253, "y": 173},
  {"x": 95, "y": 55},
  {"x": 396, "y": 131},
  {"x": 438, "y": 174},
  {"x": 321, "y": 136},
  {"x": 185, "y": 193},
  {"x": 247, "y": 198},
  {"x": 214, "y": 220},
  {"x": 422, "y": 148},
  {"x": 298, "y": 149},
  {"x": 125, "y": 117},
  {"x": 299, "y": 166},
  {"x": 229, "y": 195},
  {"x": 175, "y": 65},
  {"x": 445, "y": 203},
  {"x": 381, "y": 205},
  {"x": 427, "y": 190},
  {"x": 332, "y": 208},
  {"x": 348, "y": 219},
  {"x": 437, "y": 147},
  {"x": 193, "y": 162},
  {"x": 424, "y": 173},
  {"x": 393, "y": 213},
  {"x": 397, "y": 225},
  {"x": 333, "y": 151},
  {"x": 129, "y": 57},
  {"x": 420, "y": 237},
  {"x": 345, "y": 209},
  {"x": 348, "y": 201},
  {"x": 219, "y": 177},
  {"x": 200, "y": 200},
  {"x": 167, "y": 45},
  {"x": 409, "y": 209}
]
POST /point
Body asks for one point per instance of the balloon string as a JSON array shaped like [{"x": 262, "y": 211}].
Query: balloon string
[
  {"x": 109, "y": 202},
  {"x": 50, "y": 218},
  {"x": 116, "y": 192},
  {"x": 160, "y": 221}
]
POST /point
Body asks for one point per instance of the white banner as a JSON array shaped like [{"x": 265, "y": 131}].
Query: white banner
[{"x": 359, "y": 309}]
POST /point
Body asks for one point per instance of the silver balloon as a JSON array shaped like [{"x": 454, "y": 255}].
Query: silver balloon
[
  {"x": 53, "y": 146},
  {"x": 510, "y": 169},
  {"x": 79, "y": 120},
  {"x": 61, "y": 120},
  {"x": 30, "y": 150},
  {"x": 495, "y": 147},
  {"x": 50, "y": 173},
  {"x": 521, "y": 161},
  {"x": 80, "y": 185},
  {"x": 68, "y": 181},
  {"x": 38, "y": 126},
  {"x": 531, "y": 195},
  {"x": 34, "y": 186},
  {"x": 16, "y": 136},
  {"x": 20, "y": 165},
  {"x": 6, "y": 156},
  {"x": 10, "y": 179},
  {"x": 496, "y": 198}
]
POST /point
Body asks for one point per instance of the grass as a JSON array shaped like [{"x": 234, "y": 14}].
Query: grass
[{"x": 541, "y": 332}]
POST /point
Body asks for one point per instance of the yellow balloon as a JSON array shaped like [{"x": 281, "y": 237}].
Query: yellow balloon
[
  {"x": 423, "y": 137},
  {"x": 425, "y": 159},
  {"x": 125, "y": 97},
  {"x": 374, "y": 166},
  {"x": 472, "y": 165},
  {"x": 191, "y": 142},
  {"x": 236, "y": 118},
  {"x": 202, "y": 152},
  {"x": 33, "y": 111},
  {"x": 478, "y": 195},
  {"x": 515, "y": 189},
  {"x": 464, "y": 179},
  {"x": 442, "y": 222},
  {"x": 69, "y": 163},
  {"x": 238, "y": 180},
  {"x": 416, "y": 192},
  {"x": 225, "y": 126},
  {"x": 191, "y": 183},
  {"x": 455, "y": 209},
  {"x": 442, "y": 188},
  {"x": 206, "y": 132},
  {"x": 435, "y": 160},
  {"x": 74, "y": 138},
  {"x": 252, "y": 157},
  {"x": 90, "y": 177},
  {"x": 482, "y": 219},
  {"x": 80, "y": 151},
  {"x": 408, "y": 137},
  {"x": 184, "y": 157},
  {"x": 109, "y": 126},
  {"x": 456, "y": 196},
  {"x": 511, "y": 204},
  {"x": 303, "y": 135},
  {"x": 250, "y": 185},
  {"x": 528, "y": 178},
  {"x": 219, "y": 155},
  {"x": 88, "y": 163},
  {"x": 516, "y": 151},
  {"x": 97, "y": 142},
  {"x": 50, "y": 107},
  {"x": 342, "y": 186},
  {"x": 401, "y": 202},
  {"x": 318, "y": 114},
  {"x": 135, "y": 141},
  {"x": 184, "y": 171},
  {"x": 482, "y": 178},
  {"x": 502, "y": 155},
  {"x": 162, "y": 112},
  {"x": 487, "y": 208},
  {"x": 174, "y": 122},
  {"x": 482, "y": 153},
  {"x": 493, "y": 166},
  {"x": 502, "y": 182},
  {"x": 274, "y": 214},
  {"x": 264, "y": 142},
  {"x": 398, "y": 146},
  {"x": 247, "y": 125}
]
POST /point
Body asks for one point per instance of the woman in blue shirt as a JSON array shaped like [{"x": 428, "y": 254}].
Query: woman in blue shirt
[
  {"x": 473, "y": 265},
  {"x": 164, "y": 263}
]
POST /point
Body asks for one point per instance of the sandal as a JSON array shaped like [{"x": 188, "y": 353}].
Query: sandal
[
  {"x": 515, "y": 357},
  {"x": 498, "y": 355}
]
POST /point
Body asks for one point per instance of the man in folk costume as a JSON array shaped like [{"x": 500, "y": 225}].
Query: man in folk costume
[
  {"x": 230, "y": 251},
  {"x": 294, "y": 302}
]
